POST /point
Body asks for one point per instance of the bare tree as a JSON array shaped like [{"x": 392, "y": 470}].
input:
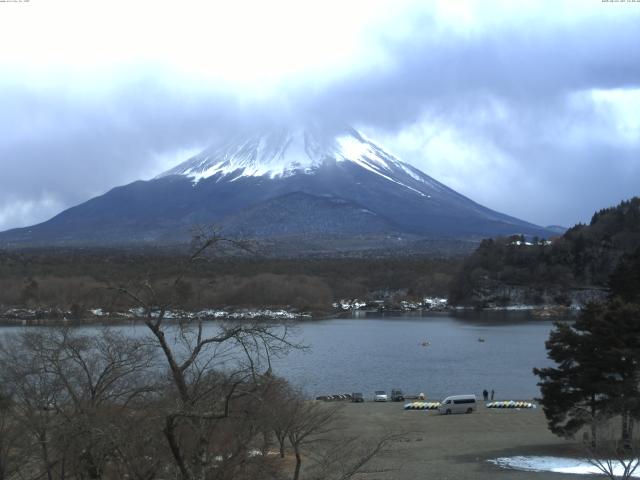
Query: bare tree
[
  {"x": 34, "y": 393},
  {"x": 348, "y": 456},
  {"x": 70, "y": 392},
  {"x": 10, "y": 461},
  {"x": 216, "y": 373},
  {"x": 613, "y": 456},
  {"x": 312, "y": 430},
  {"x": 310, "y": 422},
  {"x": 280, "y": 407}
]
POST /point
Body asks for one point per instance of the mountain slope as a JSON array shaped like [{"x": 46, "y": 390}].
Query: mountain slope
[
  {"x": 304, "y": 181},
  {"x": 299, "y": 213}
]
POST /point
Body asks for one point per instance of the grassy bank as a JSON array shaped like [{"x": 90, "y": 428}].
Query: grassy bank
[{"x": 455, "y": 446}]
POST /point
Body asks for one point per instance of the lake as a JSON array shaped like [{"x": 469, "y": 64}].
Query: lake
[
  {"x": 374, "y": 352},
  {"x": 380, "y": 353}
]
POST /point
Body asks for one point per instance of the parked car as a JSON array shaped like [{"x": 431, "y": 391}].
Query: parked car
[
  {"x": 380, "y": 396},
  {"x": 457, "y": 404},
  {"x": 397, "y": 395},
  {"x": 357, "y": 397}
]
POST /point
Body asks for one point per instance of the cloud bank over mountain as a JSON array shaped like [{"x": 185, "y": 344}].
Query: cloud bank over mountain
[{"x": 528, "y": 110}]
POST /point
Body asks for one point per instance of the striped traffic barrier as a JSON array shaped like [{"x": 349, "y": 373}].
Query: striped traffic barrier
[
  {"x": 421, "y": 405},
  {"x": 510, "y": 404}
]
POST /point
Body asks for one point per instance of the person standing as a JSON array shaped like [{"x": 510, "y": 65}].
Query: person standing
[
  {"x": 485, "y": 395},
  {"x": 492, "y": 392}
]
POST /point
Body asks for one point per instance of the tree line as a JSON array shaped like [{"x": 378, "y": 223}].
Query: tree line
[{"x": 74, "y": 280}]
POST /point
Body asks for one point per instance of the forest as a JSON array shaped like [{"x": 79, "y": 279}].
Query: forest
[
  {"x": 550, "y": 270},
  {"x": 75, "y": 280}
]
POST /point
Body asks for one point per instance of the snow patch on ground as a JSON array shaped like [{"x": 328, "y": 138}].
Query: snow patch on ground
[
  {"x": 577, "y": 466},
  {"x": 217, "y": 314},
  {"x": 428, "y": 303}
]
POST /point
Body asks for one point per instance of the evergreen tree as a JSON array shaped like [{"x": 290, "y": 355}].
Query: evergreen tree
[
  {"x": 572, "y": 394},
  {"x": 585, "y": 256},
  {"x": 598, "y": 370},
  {"x": 620, "y": 357},
  {"x": 625, "y": 280}
]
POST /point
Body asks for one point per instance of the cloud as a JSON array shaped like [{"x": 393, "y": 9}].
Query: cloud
[
  {"x": 540, "y": 124},
  {"x": 551, "y": 165},
  {"x": 67, "y": 149},
  {"x": 14, "y": 211},
  {"x": 452, "y": 74},
  {"x": 504, "y": 104}
]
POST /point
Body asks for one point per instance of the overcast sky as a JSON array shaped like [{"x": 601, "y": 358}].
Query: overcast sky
[{"x": 530, "y": 108}]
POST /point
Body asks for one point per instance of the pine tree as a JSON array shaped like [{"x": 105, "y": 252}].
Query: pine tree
[
  {"x": 625, "y": 280},
  {"x": 572, "y": 394},
  {"x": 619, "y": 326},
  {"x": 598, "y": 370}
]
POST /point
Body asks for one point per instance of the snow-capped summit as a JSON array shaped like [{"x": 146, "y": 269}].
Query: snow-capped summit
[
  {"x": 307, "y": 188},
  {"x": 284, "y": 152}
]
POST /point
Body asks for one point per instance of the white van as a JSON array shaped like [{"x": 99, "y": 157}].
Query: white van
[{"x": 457, "y": 404}]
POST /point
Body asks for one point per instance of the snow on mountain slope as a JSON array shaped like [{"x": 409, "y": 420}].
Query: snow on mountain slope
[
  {"x": 299, "y": 184},
  {"x": 282, "y": 153}
]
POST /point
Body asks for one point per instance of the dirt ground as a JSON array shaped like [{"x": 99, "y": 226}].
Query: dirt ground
[{"x": 455, "y": 446}]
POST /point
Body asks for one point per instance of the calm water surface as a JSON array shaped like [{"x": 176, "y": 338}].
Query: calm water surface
[{"x": 374, "y": 352}]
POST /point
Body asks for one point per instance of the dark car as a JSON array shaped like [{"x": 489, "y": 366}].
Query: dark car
[
  {"x": 357, "y": 397},
  {"x": 397, "y": 395}
]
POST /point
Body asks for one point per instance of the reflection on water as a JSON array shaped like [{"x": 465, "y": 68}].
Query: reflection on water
[{"x": 439, "y": 354}]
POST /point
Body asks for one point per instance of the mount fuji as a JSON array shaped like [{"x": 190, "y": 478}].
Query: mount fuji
[{"x": 306, "y": 187}]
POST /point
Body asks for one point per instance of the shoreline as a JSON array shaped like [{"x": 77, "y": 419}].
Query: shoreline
[{"x": 48, "y": 317}]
